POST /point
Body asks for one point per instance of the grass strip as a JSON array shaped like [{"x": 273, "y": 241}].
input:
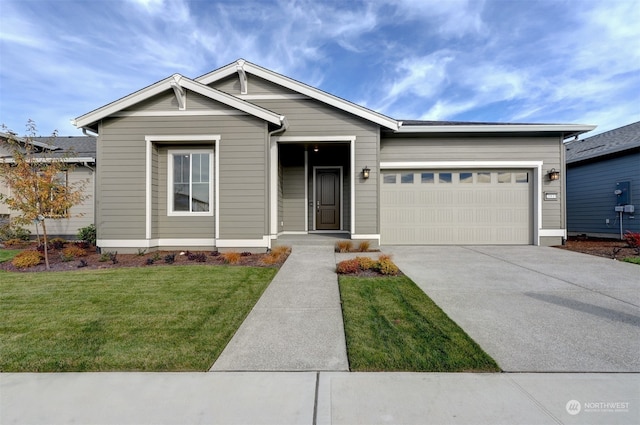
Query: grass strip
[
  {"x": 8, "y": 254},
  {"x": 392, "y": 325},
  {"x": 130, "y": 319}
]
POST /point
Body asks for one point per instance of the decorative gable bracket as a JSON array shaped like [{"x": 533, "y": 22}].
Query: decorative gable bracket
[
  {"x": 244, "y": 85},
  {"x": 181, "y": 94}
]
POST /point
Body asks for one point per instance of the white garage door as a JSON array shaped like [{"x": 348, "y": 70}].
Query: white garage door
[{"x": 445, "y": 207}]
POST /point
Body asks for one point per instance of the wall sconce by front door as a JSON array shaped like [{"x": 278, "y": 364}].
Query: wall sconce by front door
[
  {"x": 553, "y": 174},
  {"x": 365, "y": 172}
]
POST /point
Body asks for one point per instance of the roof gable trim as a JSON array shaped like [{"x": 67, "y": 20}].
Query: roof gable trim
[
  {"x": 312, "y": 92},
  {"x": 177, "y": 83}
]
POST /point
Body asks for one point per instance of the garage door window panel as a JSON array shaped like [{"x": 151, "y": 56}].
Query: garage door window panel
[{"x": 444, "y": 178}]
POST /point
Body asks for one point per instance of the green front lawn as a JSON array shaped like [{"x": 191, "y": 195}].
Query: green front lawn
[
  {"x": 392, "y": 325},
  {"x": 8, "y": 254},
  {"x": 149, "y": 319},
  {"x": 632, "y": 260}
]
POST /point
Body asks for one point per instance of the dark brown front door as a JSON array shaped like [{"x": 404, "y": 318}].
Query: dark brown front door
[{"x": 328, "y": 199}]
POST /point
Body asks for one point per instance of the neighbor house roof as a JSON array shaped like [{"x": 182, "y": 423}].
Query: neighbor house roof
[
  {"x": 610, "y": 142},
  {"x": 71, "y": 148}
]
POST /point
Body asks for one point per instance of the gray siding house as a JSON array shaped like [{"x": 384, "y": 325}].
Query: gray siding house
[
  {"x": 81, "y": 151},
  {"x": 242, "y": 155},
  {"x": 603, "y": 183}
]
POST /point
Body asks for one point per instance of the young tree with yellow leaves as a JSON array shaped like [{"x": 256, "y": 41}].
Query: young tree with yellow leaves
[{"x": 33, "y": 175}]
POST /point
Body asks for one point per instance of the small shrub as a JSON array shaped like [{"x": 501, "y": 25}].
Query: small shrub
[
  {"x": 170, "y": 258},
  {"x": 348, "y": 266},
  {"x": 344, "y": 246},
  {"x": 27, "y": 259},
  {"x": 387, "y": 267},
  {"x": 632, "y": 238},
  {"x": 57, "y": 243},
  {"x": 363, "y": 246},
  {"x": 156, "y": 257},
  {"x": 245, "y": 254},
  {"x": 40, "y": 248},
  {"x": 74, "y": 251},
  {"x": 88, "y": 234},
  {"x": 141, "y": 252},
  {"x": 366, "y": 263},
  {"x": 276, "y": 256},
  {"x": 280, "y": 250},
  {"x": 149, "y": 261},
  {"x": 82, "y": 244},
  {"x": 65, "y": 258},
  {"x": 10, "y": 231},
  {"x": 197, "y": 256},
  {"x": 82, "y": 263},
  {"x": 231, "y": 257},
  {"x": 215, "y": 253},
  {"x": 109, "y": 256},
  {"x": 14, "y": 242}
]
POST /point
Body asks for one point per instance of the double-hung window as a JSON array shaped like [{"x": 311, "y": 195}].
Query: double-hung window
[{"x": 190, "y": 184}]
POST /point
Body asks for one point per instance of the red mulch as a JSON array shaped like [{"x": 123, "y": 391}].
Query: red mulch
[
  {"x": 609, "y": 248},
  {"x": 93, "y": 261}
]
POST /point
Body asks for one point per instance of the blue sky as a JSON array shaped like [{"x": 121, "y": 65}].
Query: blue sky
[{"x": 551, "y": 61}]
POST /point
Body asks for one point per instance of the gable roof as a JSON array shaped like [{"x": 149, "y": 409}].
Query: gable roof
[
  {"x": 175, "y": 82},
  {"x": 607, "y": 143},
  {"x": 241, "y": 66}
]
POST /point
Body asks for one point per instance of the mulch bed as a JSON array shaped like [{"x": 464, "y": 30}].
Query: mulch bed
[
  {"x": 96, "y": 261},
  {"x": 609, "y": 248}
]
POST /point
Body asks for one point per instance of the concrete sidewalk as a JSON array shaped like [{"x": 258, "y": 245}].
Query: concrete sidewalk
[
  {"x": 318, "y": 398},
  {"x": 297, "y": 323}
]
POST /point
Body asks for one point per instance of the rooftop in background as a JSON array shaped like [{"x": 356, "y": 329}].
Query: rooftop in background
[{"x": 607, "y": 143}]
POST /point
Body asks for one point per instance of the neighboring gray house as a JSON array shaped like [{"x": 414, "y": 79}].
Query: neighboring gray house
[
  {"x": 242, "y": 155},
  {"x": 603, "y": 183},
  {"x": 80, "y": 151}
]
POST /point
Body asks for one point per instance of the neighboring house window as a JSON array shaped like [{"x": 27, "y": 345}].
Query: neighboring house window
[
  {"x": 62, "y": 181},
  {"x": 190, "y": 184}
]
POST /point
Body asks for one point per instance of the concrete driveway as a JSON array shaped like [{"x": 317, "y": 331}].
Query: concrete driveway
[{"x": 535, "y": 309}]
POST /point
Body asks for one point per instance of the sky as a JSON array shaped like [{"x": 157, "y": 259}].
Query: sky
[{"x": 513, "y": 61}]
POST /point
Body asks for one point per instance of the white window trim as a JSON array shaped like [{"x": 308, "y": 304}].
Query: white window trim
[
  {"x": 170, "y": 155},
  {"x": 534, "y": 166},
  {"x": 150, "y": 140}
]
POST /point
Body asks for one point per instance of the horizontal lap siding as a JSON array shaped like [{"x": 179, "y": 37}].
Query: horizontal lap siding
[
  {"x": 591, "y": 198},
  {"x": 312, "y": 118},
  {"x": 546, "y": 149},
  {"x": 122, "y": 177}
]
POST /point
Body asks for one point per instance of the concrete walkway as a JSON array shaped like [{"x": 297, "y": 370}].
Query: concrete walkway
[
  {"x": 318, "y": 398},
  {"x": 297, "y": 323}
]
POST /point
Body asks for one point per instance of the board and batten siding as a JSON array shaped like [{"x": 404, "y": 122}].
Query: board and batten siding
[
  {"x": 591, "y": 198},
  {"x": 433, "y": 149},
  {"x": 121, "y": 175}
]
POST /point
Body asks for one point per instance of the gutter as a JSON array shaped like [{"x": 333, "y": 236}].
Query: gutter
[{"x": 569, "y": 130}]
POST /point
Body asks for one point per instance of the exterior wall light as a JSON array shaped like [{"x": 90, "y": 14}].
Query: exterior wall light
[
  {"x": 553, "y": 174},
  {"x": 365, "y": 172}
]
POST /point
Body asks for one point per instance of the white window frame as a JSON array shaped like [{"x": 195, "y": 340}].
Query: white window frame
[{"x": 171, "y": 154}]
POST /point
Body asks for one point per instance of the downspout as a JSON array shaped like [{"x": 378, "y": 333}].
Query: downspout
[
  {"x": 273, "y": 197},
  {"x": 93, "y": 170}
]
